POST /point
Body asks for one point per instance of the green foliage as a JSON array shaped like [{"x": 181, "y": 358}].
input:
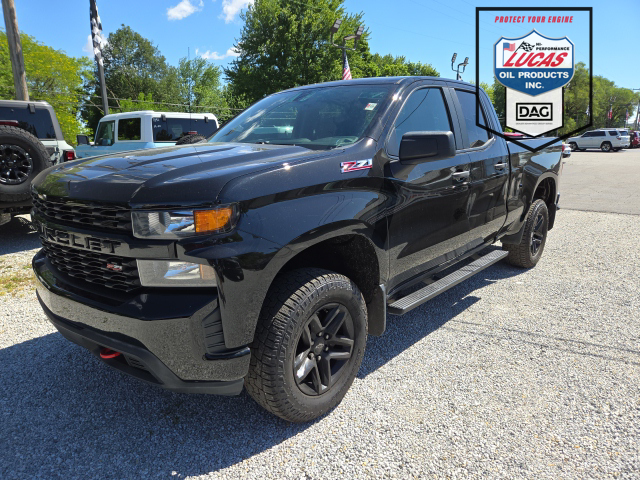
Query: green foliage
[
  {"x": 286, "y": 44},
  {"x": 132, "y": 66},
  {"x": 200, "y": 85},
  {"x": 52, "y": 76},
  {"x": 145, "y": 102}
]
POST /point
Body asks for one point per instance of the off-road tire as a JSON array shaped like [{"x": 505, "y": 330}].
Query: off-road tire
[
  {"x": 40, "y": 159},
  {"x": 521, "y": 254},
  {"x": 188, "y": 139},
  {"x": 605, "y": 146},
  {"x": 292, "y": 300}
]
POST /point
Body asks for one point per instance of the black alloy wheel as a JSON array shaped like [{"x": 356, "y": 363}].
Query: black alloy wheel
[
  {"x": 538, "y": 234},
  {"x": 324, "y": 349},
  {"x": 309, "y": 344},
  {"x": 15, "y": 165}
]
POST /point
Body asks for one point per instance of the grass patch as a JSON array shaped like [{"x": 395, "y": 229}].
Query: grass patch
[{"x": 16, "y": 281}]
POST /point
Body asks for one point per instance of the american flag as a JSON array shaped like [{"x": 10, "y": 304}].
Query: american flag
[
  {"x": 346, "y": 71},
  {"x": 509, "y": 46},
  {"x": 96, "y": 32},
  {"x": 610, "y": 113}
]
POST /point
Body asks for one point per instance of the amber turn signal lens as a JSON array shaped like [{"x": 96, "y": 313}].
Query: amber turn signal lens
[{"x": 212, "y": 220}]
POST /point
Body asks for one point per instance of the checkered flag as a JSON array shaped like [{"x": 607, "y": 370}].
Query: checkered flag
[
  {"x": 527, "y": 47},
  {"x": 96, "y": 32}
]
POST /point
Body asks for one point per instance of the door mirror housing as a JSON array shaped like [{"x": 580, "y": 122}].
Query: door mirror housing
[
  {"x": 418, "y": 147},
  {"x": 82, "y": 139}
]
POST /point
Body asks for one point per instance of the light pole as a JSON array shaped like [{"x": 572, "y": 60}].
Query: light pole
[
  {"x": 355, "y": 37},
  {"x": 463, "y": 65}
]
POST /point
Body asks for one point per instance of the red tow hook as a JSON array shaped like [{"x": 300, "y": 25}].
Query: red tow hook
[{"x": 107, "y": 353}]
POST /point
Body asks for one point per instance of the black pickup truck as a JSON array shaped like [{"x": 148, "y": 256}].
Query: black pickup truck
[{"x": 265, "y": 256}]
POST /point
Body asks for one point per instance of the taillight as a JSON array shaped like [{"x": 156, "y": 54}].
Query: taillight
[
  {"x": 619, "y": 137},
  {"x": 69, "y": 155}
]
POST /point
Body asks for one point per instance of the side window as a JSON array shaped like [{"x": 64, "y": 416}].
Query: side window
[
  {"x": 171, "y": 129},
  {"x": 598, "y": 134},
  {"x": 203, "y": 128},
  {"x": 38, "y": 124},
  {"x": 105, "y": 134},
  {"x": 587, "y": 134},
  {"x": 613, "y": 133},
  {"x": 477, "y": 136},
  {"x": 424, "y": 110},
  {"x": 129, "y": 129}
]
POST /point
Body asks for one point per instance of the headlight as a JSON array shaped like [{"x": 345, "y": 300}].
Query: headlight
[
  {"x": 179, "y": 224},
  {"x": 175, "y": 273}
]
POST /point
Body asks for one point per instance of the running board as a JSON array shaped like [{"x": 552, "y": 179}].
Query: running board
[{"x": 417, "y": 298}]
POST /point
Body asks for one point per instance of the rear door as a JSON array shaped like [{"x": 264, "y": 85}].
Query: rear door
[
  {"x": 489, "y": 157},
  {"x": 430, "y": 224}
]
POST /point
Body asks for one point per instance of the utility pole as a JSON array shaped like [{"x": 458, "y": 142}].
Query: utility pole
[{"x": 15, "y": 50}]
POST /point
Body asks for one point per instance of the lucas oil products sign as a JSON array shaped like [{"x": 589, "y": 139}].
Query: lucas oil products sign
[{"x": 534, "y": 68}]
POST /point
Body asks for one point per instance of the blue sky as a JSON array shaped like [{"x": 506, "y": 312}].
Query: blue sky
[{"x": 421, "y": 30}]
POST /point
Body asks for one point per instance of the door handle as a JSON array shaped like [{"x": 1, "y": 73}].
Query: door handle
[
  {"x": 500, "y": 166},
  {"x": 460, "y": 176}
]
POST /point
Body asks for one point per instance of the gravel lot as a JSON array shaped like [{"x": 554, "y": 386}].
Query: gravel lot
[{"x": 530, "y": 374}]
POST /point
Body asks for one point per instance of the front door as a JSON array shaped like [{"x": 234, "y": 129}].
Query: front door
[{"x": 430, "y": 224}]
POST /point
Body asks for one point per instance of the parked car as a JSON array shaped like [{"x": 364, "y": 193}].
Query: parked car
[
  {"x": 119, "y": 132},
  {"x": 606, "y": 139},
  {"x": 566, "y": 150},
  {"x": 634, "y": 139},
  {"x": 30, "y": 141},
  {"x": 265, "y": 256}
]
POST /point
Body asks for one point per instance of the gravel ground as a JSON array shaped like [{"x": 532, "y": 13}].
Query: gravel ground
[{"x": 529, "y": 374}]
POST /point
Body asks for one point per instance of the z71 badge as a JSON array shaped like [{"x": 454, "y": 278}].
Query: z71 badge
[{"x": 346, "y": 167}]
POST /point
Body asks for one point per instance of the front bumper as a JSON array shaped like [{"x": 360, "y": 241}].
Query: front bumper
[{"x": 168, "y": 351}]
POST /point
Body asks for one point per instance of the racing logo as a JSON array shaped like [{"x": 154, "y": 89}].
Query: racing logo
[
  {"x": 533, "y": 64},
  {"x": 346, "y": 167}
]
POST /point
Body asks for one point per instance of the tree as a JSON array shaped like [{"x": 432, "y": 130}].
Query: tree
[
  {"x": 52, "y": 76},
  {"x": 200, "y": 85},
  {"x": 285, "y": 44},
  {"x": 132, "y": 66}
]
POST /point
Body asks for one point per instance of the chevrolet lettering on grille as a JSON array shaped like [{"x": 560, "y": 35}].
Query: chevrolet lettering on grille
[{"x": 78, "y": 240}]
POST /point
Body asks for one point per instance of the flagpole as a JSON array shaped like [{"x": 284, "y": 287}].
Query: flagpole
[{"x": 96, "y": 32}]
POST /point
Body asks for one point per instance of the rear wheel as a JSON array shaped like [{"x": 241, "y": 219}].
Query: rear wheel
[
  {"x": 605, "y": 147},
  {"x": 309, "y": 344},
  {"x": 22, "y": 157},
  {"x": 527, "y": 253},
  {"x": 574, "y": 146}
]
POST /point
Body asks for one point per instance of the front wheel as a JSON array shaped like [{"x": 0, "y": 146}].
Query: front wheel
[
  {"x": 574, "y": 146},
  {"x": 527, "y": 253},
  {"x": 309, "y": 344},
  {"x": 605, "y": 147}
]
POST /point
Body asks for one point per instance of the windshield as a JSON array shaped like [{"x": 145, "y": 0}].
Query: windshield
[{"x": 323, "y": 117}]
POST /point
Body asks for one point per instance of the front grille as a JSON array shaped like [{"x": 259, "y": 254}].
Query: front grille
[
  {"x": 85, "y": 214},
  {"x": 92, "y": 266}
]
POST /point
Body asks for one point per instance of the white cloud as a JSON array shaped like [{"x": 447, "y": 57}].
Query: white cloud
[
  {"x": 230, "y": 8},
  {"x": 209, "y": 55},
  {"x": 88, "y": 47},
  {"x": 183, "y": 9}
]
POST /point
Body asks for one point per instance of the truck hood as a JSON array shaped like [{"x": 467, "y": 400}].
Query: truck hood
[{"x": 185, "y": 175}]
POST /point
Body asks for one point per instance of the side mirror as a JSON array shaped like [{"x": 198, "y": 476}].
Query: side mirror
[
  {"x": 418, "y": 147},
  {"x": 82, "y": 139}
]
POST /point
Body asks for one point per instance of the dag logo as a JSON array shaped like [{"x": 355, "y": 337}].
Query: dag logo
[{"x": 533, "y": 64}]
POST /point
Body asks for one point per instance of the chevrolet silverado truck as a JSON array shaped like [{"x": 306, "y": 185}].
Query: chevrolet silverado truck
[{"x": 265, "y": 256}]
